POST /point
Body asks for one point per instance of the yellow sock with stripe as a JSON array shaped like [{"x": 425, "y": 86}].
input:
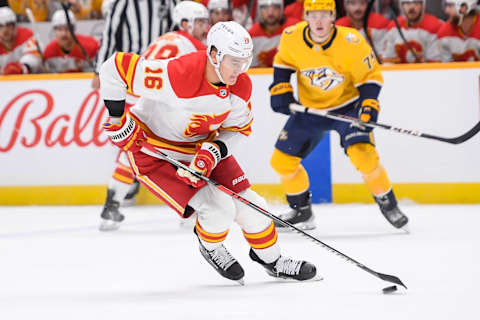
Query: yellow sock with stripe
[
  {"x": 264, "y": 243},
  {"x": 210, "y": 240}
]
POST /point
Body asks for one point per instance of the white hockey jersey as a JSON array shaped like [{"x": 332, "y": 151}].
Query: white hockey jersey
[
  {"x": 24, "y": 51},
  {"x": 173, "y": 44},
  {"x": 58, "y": 61},
  {"x": 170, "y": 45},
  {"x": 179, "y": 108},
  {"x": 457, "y": 46},
  {"x": 265, "y": 44},
  {"x": 422, "y": 38}
]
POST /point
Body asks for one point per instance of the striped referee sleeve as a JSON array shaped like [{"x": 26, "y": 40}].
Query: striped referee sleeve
[{"x": 132, "y": 25}]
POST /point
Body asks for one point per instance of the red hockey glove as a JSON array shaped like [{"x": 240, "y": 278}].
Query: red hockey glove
[
  {"x": 14, "y": 68},
  {"x": 125, "y": 133},
  {"x": 369, "y": 110},
  {"x": 204, "y": 161}
]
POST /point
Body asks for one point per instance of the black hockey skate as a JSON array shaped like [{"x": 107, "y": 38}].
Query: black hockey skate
[
  {"x": 111, "y": 217},
  {"x": 288, "y": 268},
  {"x": 300, "y": 215},
  {"x": 130, "y": 198},
  {"x": 223, "y": 262},
  {"x": 390, "y": 210}
]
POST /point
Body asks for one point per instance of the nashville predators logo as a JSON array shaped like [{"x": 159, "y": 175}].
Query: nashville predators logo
[
  {"x": 201, "y": 124},
  {"x": 324, "y": 78},
  {"x": 352, "y": 38}
]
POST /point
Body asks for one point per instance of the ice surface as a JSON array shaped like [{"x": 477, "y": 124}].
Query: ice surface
[{"x": 55, "y": 264}]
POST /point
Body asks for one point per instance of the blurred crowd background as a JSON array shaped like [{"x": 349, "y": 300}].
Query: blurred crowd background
[{"x": 44, "y": 42}]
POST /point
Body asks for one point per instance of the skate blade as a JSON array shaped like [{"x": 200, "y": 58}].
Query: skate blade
[
  {"x": 314, "y": 279},
  {"x": 109, "y": 225},
  {"x": 241, "y": 282},
  {"x": 406, "y": 228}
]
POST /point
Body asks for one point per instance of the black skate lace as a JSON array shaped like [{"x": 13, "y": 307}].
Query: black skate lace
[
  {"x": 288, "y": 266},
  {"x": 222, "y": 257}
]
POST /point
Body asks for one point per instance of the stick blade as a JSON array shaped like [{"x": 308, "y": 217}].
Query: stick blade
[{"x": 392, "y": 279}]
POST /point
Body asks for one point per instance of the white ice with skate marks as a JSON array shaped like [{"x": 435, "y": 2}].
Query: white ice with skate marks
[{"x": 55, "y": 264}]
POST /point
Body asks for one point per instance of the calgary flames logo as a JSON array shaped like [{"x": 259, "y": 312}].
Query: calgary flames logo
[
  {"x": 201, "y": 124},
  {"x": 324, "y": 78}
]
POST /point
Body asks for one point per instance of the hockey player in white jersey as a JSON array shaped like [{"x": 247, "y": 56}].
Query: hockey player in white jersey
[
  {"x": 196, "y": 109},
  {"x": 420, "y": 31},
  {"x": 459, "y": 38},
  {"x": 191, "y": 26}
]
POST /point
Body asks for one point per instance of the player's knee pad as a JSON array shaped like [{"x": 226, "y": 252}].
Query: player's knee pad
[
  {"x": 247, "y": 218},
  {"x": 364, "y": 157},
  {"x": 284, "y": 164},
  {"x": 214, "y": 208}
]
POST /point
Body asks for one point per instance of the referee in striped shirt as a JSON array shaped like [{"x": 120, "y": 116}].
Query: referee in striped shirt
[{"x": 130, "y": 26}]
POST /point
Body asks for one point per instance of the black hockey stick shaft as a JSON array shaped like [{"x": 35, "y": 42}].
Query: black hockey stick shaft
[
  {"x": 65, "y": 8},
  {"x": 149, "y": 149},
  {"x": 328, "y": 114},
  {"x": 367, "y": 33}
]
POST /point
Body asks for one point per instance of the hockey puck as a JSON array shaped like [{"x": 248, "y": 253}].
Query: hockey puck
[{"x": 388, "y": 290}]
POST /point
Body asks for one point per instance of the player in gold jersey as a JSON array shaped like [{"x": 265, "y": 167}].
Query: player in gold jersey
[{"x": 336, "y": 70}]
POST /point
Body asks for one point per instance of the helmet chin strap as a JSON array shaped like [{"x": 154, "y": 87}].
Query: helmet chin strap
[{"x": 216, "y": 66}]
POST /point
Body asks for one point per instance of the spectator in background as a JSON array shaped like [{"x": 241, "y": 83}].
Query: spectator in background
[
  {"x": 219, "y": 10},
  {"x": 241, "y": 14},
  {"x": 459, "y": 38},
  {"x": 63, "y": 54},
  {"x": 377, "y": 24},
  {"x": 131, "y": 26},
  {"x": 266, "y": 33},
  {"x": 420, "y": 30},
  {"x": 384, "y": 7},
  {"x": 18, "y": 52},
  {"x": 449, "y": 8},
  {"x": 86, "y": 9},
  {"x": 40, "y": 8}
]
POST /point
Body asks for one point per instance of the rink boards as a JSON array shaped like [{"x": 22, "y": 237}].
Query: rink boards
[{"x": 52, "y": 149}]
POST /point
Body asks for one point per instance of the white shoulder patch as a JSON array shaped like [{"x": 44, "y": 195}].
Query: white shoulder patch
[{"x": 352, "y": 38}]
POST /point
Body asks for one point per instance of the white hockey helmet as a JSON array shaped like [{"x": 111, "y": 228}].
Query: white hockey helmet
[
  {"x": 59, "y": 18},
  {"x": 469, "y": 4},
  {"x": 229, "y": 38},
  {"x": 261, "y": 3},
  {"x": 217, "y": 4},
  {"x": 190, "y": 11},
  {"x": 7, "y": 16},
  {"x": 107, "y": 6}
]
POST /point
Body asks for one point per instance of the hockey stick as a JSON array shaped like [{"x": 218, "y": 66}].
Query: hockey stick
[
  {"x": 365, "y": 28},
  {"x": 399, "y": 29},
  {"x": 65, "y": 8},
  {"x": 249, "y": 12},
  {"x": 36, "y": 37},
  {"x": 149, "y": 149},
  {"x": 328, "y": 114}
]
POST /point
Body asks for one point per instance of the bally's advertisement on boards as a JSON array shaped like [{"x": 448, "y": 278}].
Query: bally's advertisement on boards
[{"x": 51, "y": 139}]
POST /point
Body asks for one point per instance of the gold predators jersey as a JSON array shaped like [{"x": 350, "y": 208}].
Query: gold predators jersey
[{"x": 328, "y": 73}]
